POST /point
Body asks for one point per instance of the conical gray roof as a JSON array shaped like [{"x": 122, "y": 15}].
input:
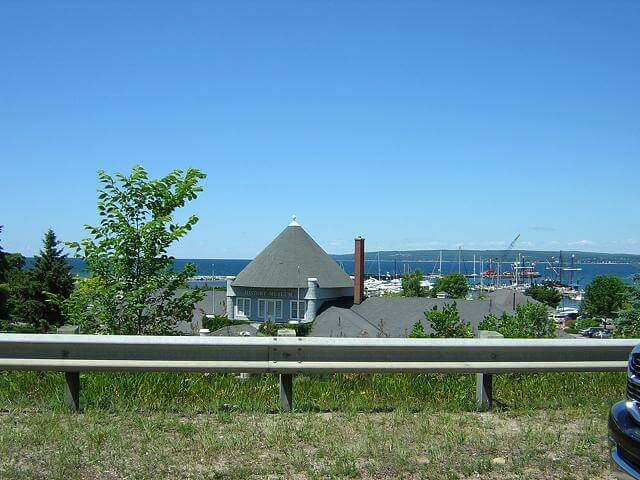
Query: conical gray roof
[{"x": 277, "y": 265}]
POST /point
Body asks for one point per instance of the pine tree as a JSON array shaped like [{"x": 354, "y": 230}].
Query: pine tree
[
  {"x": 4, "y": 288},
  {"x": 38, "y": 294},
  {"x": 3, "y": 262}
]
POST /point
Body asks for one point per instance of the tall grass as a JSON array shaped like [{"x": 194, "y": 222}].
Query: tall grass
[{"x": 193, "y": 393}]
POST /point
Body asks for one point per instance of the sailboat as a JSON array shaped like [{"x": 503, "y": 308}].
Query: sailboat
[{"x": 437, "y": 267}]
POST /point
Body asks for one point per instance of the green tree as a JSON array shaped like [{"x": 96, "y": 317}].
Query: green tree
[
  {"x": 587, "y": 323},
  {"x": 604, "y": 296},
  {"x": 529, "y": 321},
  {"x": 550, "y": 296},
  {"x": 4, "y": 286},
  {"x": 411, "y": 284},
  {"x": 417, "y": 331},
  {"x": 132, "y": 286},
  {"x": 627, "y": 323},
  {"x": 446, "y": 323},
  {"x": 12, "y": 275},
  {"x": 38, "y": 294},
  {"x": 454, "y": 284}
]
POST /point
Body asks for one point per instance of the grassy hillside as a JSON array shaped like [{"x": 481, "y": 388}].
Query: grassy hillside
[
  {"x": 167, "y": 445},
  {"x": 166, "y": 426}
]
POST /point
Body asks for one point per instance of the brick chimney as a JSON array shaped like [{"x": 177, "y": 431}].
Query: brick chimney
[{"x": 358, "y": 271}]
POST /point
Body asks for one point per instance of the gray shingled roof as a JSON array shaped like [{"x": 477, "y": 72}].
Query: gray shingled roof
[
  {"x": 342, "y": 322},
  {"x": 277, "y": 265},
  {"x": 395, "y": 316},
  {"x": 505, "y": 300}
]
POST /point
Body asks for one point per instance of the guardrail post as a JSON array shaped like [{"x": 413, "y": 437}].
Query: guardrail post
[
  {"x": 484, "y": 381},
  {"x": 286, "y": 379},
  {"x": 71, "y": 379}
]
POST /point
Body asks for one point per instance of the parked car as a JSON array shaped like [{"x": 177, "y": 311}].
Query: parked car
[
  {"x": 602, "y": 334},
  {"x": 624, "y": 425},
  {"x": 591, "y": 331}
]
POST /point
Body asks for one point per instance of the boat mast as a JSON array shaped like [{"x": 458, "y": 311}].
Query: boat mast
[
  {"x": 481, "y": 272},
  {"x": 460, "y": 259},
  {"x": 378, "y": 265},
  {"x": 213, "y": 280},
  {"x": 440, "y": 267},
  {"x": 474, "y": 265},
  {"x": 573, "y": 257}
]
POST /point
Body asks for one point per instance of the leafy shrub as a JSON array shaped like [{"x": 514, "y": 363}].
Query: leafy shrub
[
  {"x": 454, "y": 284},
  {"x": 411, "y": 284},
  {"x": 530, "y": 321},
  {"x": 219, "y": 321},
  {"x": 587, "y": 323},
  {"x": 7, "y": 326},
  {"x": 548, "y": 295},
  {"x": 270, "y": 329},
  {"x": 446, "y": 323},
  {"x": 417, "y": 331},
  {"x": 628, "y": 322}
]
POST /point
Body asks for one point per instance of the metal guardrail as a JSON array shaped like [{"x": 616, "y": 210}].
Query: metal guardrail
[{"x": 290, "y": 355}]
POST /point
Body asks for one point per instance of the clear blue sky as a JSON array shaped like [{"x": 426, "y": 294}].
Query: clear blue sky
[{"x": 416, "y": 124}]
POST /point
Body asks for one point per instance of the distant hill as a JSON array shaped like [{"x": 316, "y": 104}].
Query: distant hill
[{"x": 530, "y": 255}]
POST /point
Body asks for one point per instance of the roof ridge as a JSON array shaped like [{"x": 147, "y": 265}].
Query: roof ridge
[
  {"x": 363, "y": 317},
  {"x": 289, "y": 260}
]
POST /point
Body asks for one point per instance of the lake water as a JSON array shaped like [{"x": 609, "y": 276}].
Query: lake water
[{"x": 582, "y": 278}]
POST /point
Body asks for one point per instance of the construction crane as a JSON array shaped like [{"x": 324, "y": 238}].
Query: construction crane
[
  {"x": 501, "y": 259},
  {"x": 510, "y": 247}
]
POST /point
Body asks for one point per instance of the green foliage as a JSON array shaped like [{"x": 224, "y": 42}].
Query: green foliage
[
  {"x": 529, "y": 321},
  {"x": 446, "y": 323},
  {"x": 134, "y": 393},
  {"x": 4, "y": 286},
  {"x": 604, "y": 296},
  {"x": 270, "y": 329},
  {"x": 216, "y": 322},
  {"x": 628, "y": 322},
  {"x": 302, "y": 329},
  {"x": 571, "y": 330},
  {"x": 37, "y": 293},
  {"x": 132, "y": 285},
  {"x": 8, "y": 326},
  {"x": 587, "y": 323},
  {"x": 455, "y": 284},
  {"x": 4, "y": 300},
  {"x": 550, "y": 296},
  {"x": 411, "y": 284},
  {"x": 418, "y": 331},
  {"x": 12, "y": 276}
]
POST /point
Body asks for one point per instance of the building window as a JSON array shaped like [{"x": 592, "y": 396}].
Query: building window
[
  {"x": 298, "y": 309},
  {"x": 243, "y": 307},
  {"x": 269, "y": 309}
]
